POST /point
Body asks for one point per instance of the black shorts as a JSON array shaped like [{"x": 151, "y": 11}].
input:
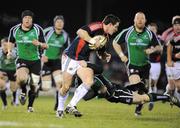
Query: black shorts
[
  {"x": 142, "y": 71},
  {"x": 121, "y": 95},
  {"x": 33, "y": 66},
  {"x": 10, "y": 74},
  {"x": 51, "y": 66}
]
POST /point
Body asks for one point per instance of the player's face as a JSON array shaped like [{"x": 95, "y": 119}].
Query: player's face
[
  {"x": 113, "y": 28},
  {"x": 139, "y": 20},
  {"x": 27, "y": 21},
  {"x": 59, "y": 24},
  {"x": 5, "y": 46},
  {"x": 176, "y": 28},
  {"x": 153, "y": 29}
]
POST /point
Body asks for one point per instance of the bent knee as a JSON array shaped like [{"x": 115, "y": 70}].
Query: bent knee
[
  {"x": 46, "y": 85},
  {"x": 134, "y": 79}
]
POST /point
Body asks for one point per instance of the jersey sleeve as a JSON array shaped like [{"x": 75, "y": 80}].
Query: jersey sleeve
[
  {"x": 155, "y": 40},
  {"x": 11, "y": 36},
  {"x": 41, "y": 36},
  {"x": 120, "y": 38},
  {"x": 93, "y": 27}
]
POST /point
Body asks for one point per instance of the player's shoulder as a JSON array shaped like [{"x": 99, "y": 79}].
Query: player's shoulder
[
  {"x": 15, "y": 26},
  {"x": 95, "y": 25},
  {"x": 37, "y": 26}
]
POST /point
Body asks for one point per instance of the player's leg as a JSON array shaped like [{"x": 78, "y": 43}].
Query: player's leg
[
  {"x": 35, "y": 68},
  {"x": 87, "y": 76},
  {"x": 22, "y": 76},
  {"x": 69, "y": 68},
  {"x": 57, "y": 76},
  {"x": 153, "y": 79},
  {"x": 170, "y": 88},
  {"x": 3, "y": 79},
  {"x": 13, "y": 88}
]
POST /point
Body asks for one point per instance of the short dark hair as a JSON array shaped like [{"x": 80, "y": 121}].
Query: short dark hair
[
  {"x": 110, "y": 18},
  {"x": 176, "y": 21},
  {"x": 57, "y": 17},
  {"x": 27, "y": 13}
]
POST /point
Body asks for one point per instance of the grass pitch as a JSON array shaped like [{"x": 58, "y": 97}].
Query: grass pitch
[{"x": 97, "y": 113}]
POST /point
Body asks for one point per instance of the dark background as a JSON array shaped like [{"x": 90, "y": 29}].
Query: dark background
[
  {"x": 80, "y": 12},
  {"x": 76, "y": 14}
]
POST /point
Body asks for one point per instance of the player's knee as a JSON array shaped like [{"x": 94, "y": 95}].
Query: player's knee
[
  {"x": 22, "y": 79},
  {"x": 134, "y": 79},
  {"x": 35, "y": 79},
  {"x": 63, "y": 91},
  {"x": 58, "y": 80},
  {"x": 46, "y": 85},
  {"x": 2, "y": 84},
  {"x": 89, "y": 82}
]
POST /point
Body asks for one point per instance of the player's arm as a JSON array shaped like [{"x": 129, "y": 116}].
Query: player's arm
[
  {"x": 117, "y": 47},
  {"x": 84, "y": 33},
  {"x": 155, "y": 45},
  {"x": 11, "y": 41},
  {"x": 169, "y": 55},
  {"x": 41, "y": 42}
]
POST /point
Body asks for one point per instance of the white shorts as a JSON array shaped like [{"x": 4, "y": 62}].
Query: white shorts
[
  {"x": 173, "y": 72},
  {"x": 155, "y": 71},
  {"x": 69, "y": 65}
]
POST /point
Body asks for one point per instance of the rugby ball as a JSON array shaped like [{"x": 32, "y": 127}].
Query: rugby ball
[{"x": 102, "y": 39}]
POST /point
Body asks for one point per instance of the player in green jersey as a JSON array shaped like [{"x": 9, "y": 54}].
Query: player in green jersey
[
  {"x": 7, "y": 72},
  {"x": 140, "y": 42},
  {"x": 57, "y": 39},
  {"x": 29, "y": 39}
]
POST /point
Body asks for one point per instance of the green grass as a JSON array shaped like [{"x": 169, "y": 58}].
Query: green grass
[{"x": 97, "y": 113}]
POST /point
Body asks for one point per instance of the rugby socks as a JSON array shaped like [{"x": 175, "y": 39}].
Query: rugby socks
[
  {"x": 61, "y": 101},
  {"x": 78, "y": 94},
  {"x": 14, "y": 96},
  {"x": 56, "y": 101},
  {"x": 3, "y": 97},
  {"x": 156, "y": 97},
  {"x": 32, "y": 96},
  {"x": 23, "y": 87}
]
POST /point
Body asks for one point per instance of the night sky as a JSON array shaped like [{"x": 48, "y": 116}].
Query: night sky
[{"x": 74, "y": 12}]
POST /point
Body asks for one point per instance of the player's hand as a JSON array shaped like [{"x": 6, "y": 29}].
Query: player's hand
[
  {"x": 83, "y": 63},
  {"x": 124, "y": 59},
  {"x": 150, "y": 50},
  {"x": 36, "y": 42},
  {"x": 96, "y": 43},
  {"x": 177, "y": 55},
  {"x": 44, "y": 58},
  {"x": 44, "y": 45},
  {"x": 107, "y": 57}
]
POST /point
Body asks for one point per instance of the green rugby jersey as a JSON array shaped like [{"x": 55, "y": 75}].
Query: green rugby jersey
[
  {"x": 7, "y": 64},
  {"x": 56, "y": 42},
  {"x": 23, "y": 39},
  {"x": 136, "y": 44}
]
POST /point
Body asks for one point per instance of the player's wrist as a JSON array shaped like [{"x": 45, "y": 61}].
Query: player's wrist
[{"x": 121, "y": 54}]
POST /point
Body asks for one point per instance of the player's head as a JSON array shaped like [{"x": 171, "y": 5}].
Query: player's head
[
  {"x": 153, "y": 27},
  {"x": 139, "y": 20},
  {"x": 176, "y": 24},
  {"x": 58, "y": 22},
  {"x": 4, "y": 44},
  {"x": 111, "y": 23},
  {"x": 27, "y": 18}
]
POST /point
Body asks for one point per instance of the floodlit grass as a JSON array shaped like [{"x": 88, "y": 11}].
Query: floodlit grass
[{"x": 97, "y": 113}]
